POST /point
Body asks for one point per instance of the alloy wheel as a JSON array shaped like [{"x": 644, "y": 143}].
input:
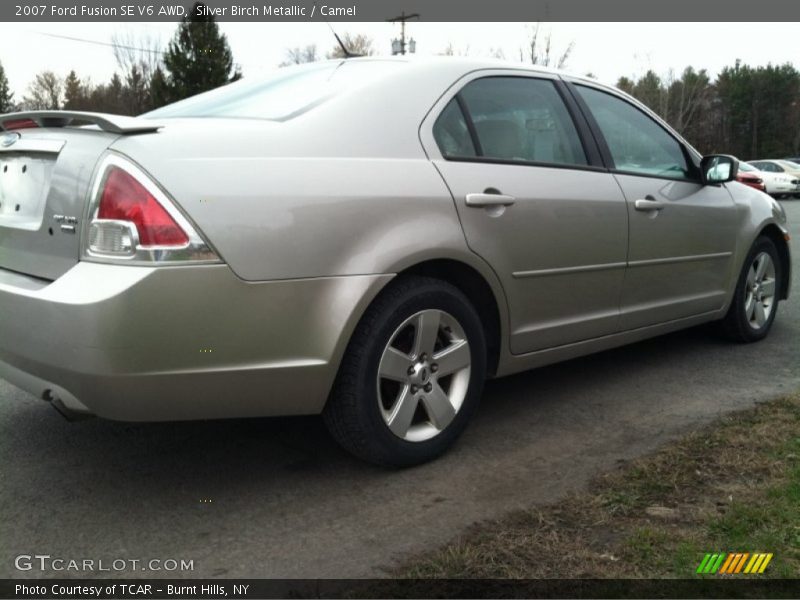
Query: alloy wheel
[
  {"x": 760, "y": 291},
  {"x": 423, "y": 375}
]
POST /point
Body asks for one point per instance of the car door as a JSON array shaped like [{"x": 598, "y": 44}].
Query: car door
[
  {"x": 534, "y": 202},
  {"x": 682, "y": 234}
]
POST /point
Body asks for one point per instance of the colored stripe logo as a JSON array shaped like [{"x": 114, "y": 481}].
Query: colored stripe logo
[{"x": 734, "y": 563}]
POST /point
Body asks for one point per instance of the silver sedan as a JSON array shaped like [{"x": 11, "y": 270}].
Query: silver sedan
[{"x": 368, "y": 239}]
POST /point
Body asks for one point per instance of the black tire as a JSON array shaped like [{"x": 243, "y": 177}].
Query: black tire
[
  {"x": 353, "y": 413},
  {"x": 736, "y": 324}
]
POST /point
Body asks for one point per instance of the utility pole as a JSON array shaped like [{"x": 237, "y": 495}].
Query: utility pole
[{"x": 399, "y": 46}]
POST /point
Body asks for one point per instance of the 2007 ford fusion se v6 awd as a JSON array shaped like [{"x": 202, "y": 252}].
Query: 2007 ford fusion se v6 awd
[{"x": 368, "y": 239}]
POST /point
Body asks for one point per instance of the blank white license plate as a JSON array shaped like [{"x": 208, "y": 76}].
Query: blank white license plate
[{"x": 24, "y": 183}]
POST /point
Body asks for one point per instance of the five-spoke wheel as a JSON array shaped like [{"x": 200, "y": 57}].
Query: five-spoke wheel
[
  {"x": 758, "y": 290},
  {"x": 423, "y": 375},
  {"x": 411, "y": 376}
]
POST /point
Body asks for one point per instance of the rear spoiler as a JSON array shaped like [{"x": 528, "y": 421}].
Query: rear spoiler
[{"x": 64, "y": 118}]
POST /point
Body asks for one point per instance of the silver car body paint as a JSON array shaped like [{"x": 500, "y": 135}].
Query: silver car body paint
[{"x": 311, "y": 217}]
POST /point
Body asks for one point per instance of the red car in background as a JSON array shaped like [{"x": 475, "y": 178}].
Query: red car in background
[{"x": 754, "y": 181}]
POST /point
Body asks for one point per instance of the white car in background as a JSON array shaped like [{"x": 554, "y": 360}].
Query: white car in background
[
  {"x": 777, "y": 184},
  {"x": 782, "y": 168}
]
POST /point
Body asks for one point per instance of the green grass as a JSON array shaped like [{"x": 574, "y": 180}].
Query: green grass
[{"x": 733, "y": 486}]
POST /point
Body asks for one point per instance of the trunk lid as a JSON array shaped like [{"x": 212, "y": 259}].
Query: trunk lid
[{"x": 45, "y": 175}]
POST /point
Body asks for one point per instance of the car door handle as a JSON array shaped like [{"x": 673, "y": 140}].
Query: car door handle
[
  {"x": 648, "y": 204},
  {"x": 484, "y": 199}
]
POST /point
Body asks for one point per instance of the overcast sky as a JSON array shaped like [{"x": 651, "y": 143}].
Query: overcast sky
[{"x": 606, "y": 49}]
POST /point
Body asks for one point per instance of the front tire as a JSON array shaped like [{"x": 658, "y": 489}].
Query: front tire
[
  {"x": 755, "y": 301},
  {"x": 412, "y": 374}
]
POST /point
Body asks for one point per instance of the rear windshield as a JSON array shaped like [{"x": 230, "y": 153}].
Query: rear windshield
[
  {"x": 789, "y": 164},
  {"x": 282, "y": 95}
]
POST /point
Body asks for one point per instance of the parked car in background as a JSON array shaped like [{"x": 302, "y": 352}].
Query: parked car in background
[
  {"x": 368, "y": 239},
  {"x": 775, "y": 184},
  {"x": 750, "y": 178},
  {"x": 794, "y": 159},
  {"x": 780, "y": 167}
]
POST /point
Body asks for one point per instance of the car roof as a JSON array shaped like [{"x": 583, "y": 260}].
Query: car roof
[{"x": 469, "y": 64}]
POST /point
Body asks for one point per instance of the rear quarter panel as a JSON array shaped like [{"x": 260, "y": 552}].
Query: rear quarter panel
[
  {"x": 345, "y": 189},
  {"x": 280, "y": 218}
]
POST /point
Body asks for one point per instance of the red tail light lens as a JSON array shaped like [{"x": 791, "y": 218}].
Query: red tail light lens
[{"x": 125, "y": 199}]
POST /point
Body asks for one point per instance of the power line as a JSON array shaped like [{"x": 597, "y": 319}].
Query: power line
[
  {"x": 124, "y": 46},
  {"x": 99, "y": 43}
]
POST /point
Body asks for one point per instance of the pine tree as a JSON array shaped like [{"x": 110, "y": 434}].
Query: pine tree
[
  {"x": 6, "y": 97},
  {"x": 159, "y": 89},
  {"x": 198, "y": 57},
  {"x": 74, "y": 97}
]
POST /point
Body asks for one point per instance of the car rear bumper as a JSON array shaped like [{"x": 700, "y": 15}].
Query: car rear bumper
[{"x": 172, "y": 343}]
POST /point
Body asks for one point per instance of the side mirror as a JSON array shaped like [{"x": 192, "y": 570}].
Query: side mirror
[{"x": 719, "y": 168}]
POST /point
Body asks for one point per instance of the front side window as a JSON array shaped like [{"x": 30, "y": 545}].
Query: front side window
[
  {"x": 513, "y": 119},
  {"x": 637, "y": 143}
]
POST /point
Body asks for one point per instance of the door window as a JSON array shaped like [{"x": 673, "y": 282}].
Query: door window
[
  {"x": 637, "y": 143},
  {"x": 516, "y": 119}
]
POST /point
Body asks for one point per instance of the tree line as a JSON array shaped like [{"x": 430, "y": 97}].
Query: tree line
[{"x": 750, "y": 112}]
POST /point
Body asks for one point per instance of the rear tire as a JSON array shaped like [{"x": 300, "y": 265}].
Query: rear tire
[
  {"x": 755, "y": 300},
  {"x": 412, "y": 374}
]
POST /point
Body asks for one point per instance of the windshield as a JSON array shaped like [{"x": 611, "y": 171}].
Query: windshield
[
  {"x": 282, "y": 95},
  {"x": 743, "y": 166}
]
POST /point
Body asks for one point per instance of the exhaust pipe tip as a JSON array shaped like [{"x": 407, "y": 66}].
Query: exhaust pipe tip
[{"x": 70, "y": 413}]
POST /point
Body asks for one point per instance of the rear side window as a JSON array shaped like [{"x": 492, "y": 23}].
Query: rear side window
[
  {"x": 637, "y": 143},
  {"x": 513, "y": 119},
  {"x": 452, "y": 134},
  {"x": 768, "y": 167}
]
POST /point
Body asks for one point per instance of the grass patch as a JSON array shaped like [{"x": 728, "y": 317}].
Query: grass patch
[{"x": 733, "y": 486}]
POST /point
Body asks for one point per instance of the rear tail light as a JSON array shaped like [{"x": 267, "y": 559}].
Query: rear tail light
[
  {"x": 134, "y": 220},
  {"x": 123, "y": 198}
]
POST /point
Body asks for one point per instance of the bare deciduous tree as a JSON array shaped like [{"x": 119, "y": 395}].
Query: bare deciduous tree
[
  {"x": 451, "y": 50},
  {"x": 44, "y": 92},
  {"x": 357, "y": 44},
  {"x": 138, "y": 57},
  {"x": 298, "y": 55},
  {"x": 142, "y": 52},
  {"x": 540, "y": 51}
]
